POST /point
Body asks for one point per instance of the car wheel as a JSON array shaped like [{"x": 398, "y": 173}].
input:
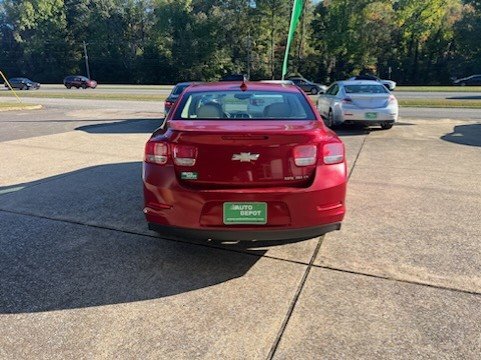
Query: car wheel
[
  {"x": 84, "y": 86},
  {"x": 386, "y": 126},
  {"x": 314, "y": 91},
  {"x": 68, "y": 86},
  {"x": 23, "y": 87},
  {"x": 330, "y": 119}
]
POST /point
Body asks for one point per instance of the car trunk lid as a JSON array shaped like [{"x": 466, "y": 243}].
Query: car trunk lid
[
  {"x": 369, "y": 101},
  {"x": 244, "y": 154}
]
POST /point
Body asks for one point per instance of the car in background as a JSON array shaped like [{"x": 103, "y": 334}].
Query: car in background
[
  {"x": 308, "y": 86},
  {"x": 219, "y": 171},
  {"x": 472, "y": 80},
  {"x": 282, "y": 82},
  {"x": 174, "y": 95},
  {"x": 79, "y": 81},
  {"x": 358, "y": 101},
  {"x": 389, "y": 84},
  {"x": 23, "y": 84}
]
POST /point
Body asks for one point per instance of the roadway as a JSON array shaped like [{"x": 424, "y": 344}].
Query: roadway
[
  {"x": 165, "y": 90},
  {"x": 105, "y": 89},
  {"x": 157, "y": 107}
]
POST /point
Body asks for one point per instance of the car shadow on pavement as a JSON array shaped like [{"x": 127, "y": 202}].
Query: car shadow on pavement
[
  {"x": 80, "y": 239},
  {"x": 132, "y": 126},
  {"x": 465, "y": 135},
  {"x": 359, "y": 129},
  {"x": 471, "y": 97},
  {"x": 351, "y": 130}
]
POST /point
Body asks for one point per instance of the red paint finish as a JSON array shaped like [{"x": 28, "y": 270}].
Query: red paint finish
[{"x": 296, "y": 167}]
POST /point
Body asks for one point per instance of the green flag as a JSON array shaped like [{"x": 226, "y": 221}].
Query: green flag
[{"x": 296, "y": 14}]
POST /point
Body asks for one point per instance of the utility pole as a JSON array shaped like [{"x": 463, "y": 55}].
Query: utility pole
[
  {"x": 86, "y": 60},
  {"x": 249, "y": 49}
]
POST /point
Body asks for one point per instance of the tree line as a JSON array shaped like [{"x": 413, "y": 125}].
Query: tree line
[{"x": 166, "y": 41}]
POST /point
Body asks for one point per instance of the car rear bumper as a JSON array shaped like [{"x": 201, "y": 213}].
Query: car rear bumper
[
  {"x": 383, "y": 115},
  {"x": 171, "y": 232},
  {"x": 292, "y": 213}
]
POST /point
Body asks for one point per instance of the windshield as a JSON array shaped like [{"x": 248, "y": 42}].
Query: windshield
[
  {"x": 262, "y": 105},
  {"x": 365, "y": 89}
]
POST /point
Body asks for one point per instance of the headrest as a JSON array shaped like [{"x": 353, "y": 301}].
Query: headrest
[
  {"x": 209, "y": 111},
  {"x": 277, "y": 110}
]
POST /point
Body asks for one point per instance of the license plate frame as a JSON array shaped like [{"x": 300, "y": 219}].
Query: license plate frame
[
  {"x": 244, "y": 213},
  {"x": 370, "y": 116}
]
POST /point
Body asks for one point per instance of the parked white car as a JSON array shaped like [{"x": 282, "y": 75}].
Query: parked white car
[{"x": 357, "y": 101}]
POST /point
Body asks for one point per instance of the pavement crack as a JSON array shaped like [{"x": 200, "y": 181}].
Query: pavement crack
[
  {"x": 380, "y": 277},
  {"x": 294, "y": 300},
  {"x": 357, "y": 157}
]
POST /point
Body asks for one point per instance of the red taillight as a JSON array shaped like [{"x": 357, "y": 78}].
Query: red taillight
[
  {"x": 347, "y": 101},
  {"x": 333, "y": 153},
  {"x": 156, "y": 152},
  {"x": 305, "y": 155},
  {"x": 185, "y": 155}
]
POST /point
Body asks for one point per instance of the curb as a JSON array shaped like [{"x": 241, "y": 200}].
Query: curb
[{"x": 28, "y": 107}]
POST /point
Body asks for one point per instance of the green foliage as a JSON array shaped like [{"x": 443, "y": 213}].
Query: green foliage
[{"x": 165, "y": 41}]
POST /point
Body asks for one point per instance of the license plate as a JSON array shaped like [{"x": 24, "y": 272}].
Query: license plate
[
  {"x": 245, "y": 213},
  {"x": 370, "y": 116}
]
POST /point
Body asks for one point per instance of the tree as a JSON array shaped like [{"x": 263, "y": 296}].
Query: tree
[{"x": 39, "y": 29}]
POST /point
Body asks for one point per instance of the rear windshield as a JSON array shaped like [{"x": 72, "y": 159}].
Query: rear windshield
[
  {"x": 264, "y": 105},
  {"x": 179, "y": 88},
  {"x": 365, "y": 89}
]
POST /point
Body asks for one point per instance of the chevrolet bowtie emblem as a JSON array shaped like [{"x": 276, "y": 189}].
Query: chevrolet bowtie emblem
[{"x": 245, "y": 157}]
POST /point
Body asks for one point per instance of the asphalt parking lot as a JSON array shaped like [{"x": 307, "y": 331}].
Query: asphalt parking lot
[{"x": 83, "y": 277}]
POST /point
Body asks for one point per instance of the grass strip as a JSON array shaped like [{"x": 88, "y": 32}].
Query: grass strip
[
  {"x": 440, "y": 103},
  {"x": 460, "y": 89}
]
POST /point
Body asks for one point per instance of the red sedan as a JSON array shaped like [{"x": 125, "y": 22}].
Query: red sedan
[{"x": 244, "y": 161}]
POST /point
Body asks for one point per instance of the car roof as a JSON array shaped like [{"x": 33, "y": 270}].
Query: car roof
[
  {"x": 359, "y": 82},
  {"x": 251, "y": 85}
]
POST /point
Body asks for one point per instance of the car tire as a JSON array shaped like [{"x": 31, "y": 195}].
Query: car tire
[
  {"x": 68, "y": 86},
  {"x": 330, "y": 119},
  {"x": 386, "y": 126},
  {"x": 84, "y": 86},
  {"x": 314, "y": 91},
  {"x": 23, "y": 87}
]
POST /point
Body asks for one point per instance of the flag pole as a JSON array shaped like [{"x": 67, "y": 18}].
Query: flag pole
[{"x": 297, "y": 7}]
